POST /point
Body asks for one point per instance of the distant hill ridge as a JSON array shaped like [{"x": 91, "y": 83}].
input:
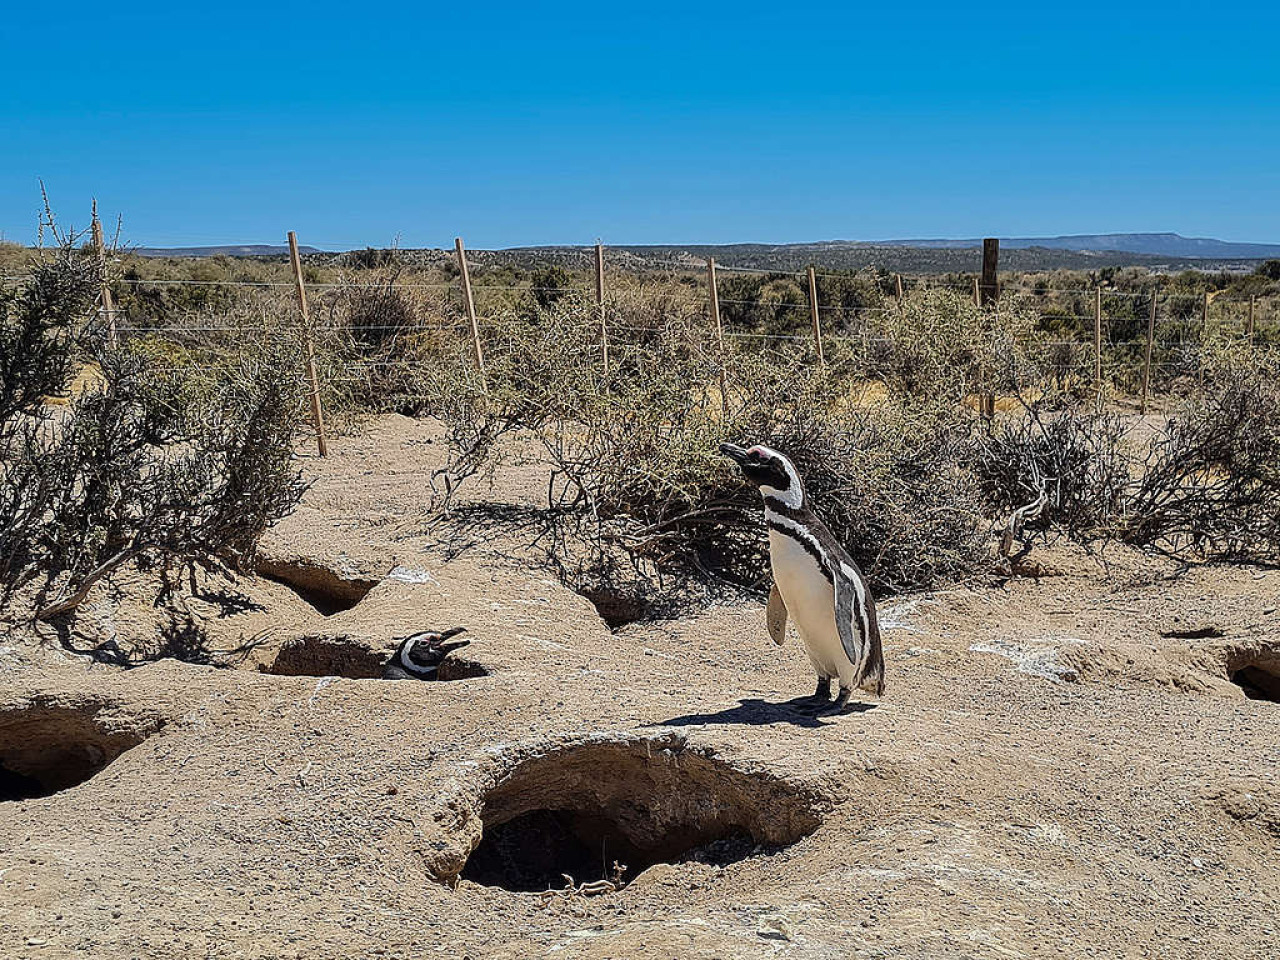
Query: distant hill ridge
[
  {"x": 1153, "y": 244},
  {"x": 230, "y": 250},
  {"x": 1140, "y": 245}
]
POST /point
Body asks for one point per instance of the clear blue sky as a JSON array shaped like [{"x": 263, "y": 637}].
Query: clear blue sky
[{"x": 641, "y": 122}]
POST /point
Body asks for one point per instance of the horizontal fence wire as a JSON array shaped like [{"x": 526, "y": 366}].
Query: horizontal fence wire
[
  {"x": 854, "y": 326},
  {"x": 914, "y": 283}
]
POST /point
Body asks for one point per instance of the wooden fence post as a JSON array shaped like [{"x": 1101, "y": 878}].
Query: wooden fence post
[
  {"x": 604, "y": 330},
  {"x": 317, "y": 412},
  {"x": 990, "y": 288},
  {"x": 99, "y": 247},
  {"x": 813, "y": 313},
  {"x": 897, "y": 286},
  {"x": 471, "y": 307},
  {"x": 715, "y": 315},
  {"x": 986, "y": 294},
  {"x": 1249, "y": 324},
  {"x": 1146, "y": 363},
  {"x": 1097, "y": 340},
  {"x": 1204, "y": 336}
]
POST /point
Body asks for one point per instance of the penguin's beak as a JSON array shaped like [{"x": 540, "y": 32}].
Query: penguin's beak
[
  {"x": 734, "y": 452},
  {"x": 444, "y": 647},
  {"x": 450, "y": 647}
]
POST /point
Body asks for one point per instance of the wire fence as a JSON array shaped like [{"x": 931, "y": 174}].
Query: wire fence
[
  {"x": 1191, "y": 316},
  {"x": 1126, "y": 341}
]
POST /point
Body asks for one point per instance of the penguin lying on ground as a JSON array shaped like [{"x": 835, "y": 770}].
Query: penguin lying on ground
[
  {"x": 816, "y": 581},
  {"x": 419, "y": 655}
]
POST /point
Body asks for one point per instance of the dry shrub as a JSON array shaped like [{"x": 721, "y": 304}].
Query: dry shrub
[
  {"x": 166, "y": 458},
  {"x": 148, "y": 467},
  {"x": 378, "y": 315},
  {"x": 43, "y": 327},
  {"x": 1068, "y": 366},
  {"x": 893, "y": 486},
  {"x": 1071, "y": 458},
  {"x": 1206, "y": 487},
  {"x": 550, "y": 284},
  {"x": 383, "y": 342},
  {"x": 1210, "y": 485},
  {"x": 937, "y": 344},
  {"x": 637, "y": 491},
  {"x": 637, "y": 484}
]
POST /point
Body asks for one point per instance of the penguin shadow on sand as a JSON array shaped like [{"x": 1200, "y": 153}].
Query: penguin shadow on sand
[{"x": 759, "y": 713}]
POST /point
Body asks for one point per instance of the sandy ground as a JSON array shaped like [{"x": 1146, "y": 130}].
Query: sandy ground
[{"x": 1059, "y": 767}]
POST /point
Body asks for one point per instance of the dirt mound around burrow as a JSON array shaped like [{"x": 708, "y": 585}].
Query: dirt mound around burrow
[
  {"x": 47, "y": 747},
  {"x": 1253, "y": 665},
  {"x": 1251, "y": 805},
  {"x": 610, "y": 809},
  {"x": 329, "y": 587},
  {"x": 1231, "y": 665}
]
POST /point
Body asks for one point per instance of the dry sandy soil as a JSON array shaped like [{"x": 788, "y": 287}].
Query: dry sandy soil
[{"x": 1059, "y": 767}]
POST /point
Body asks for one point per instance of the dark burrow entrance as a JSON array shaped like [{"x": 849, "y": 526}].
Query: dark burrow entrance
[
  {"x": 537, "y": 850},
  {"x": 618, "y": 609},
  {"x": 44, "y": 749},
  {"x": 597, "y": 810},
  {"x": 319, "y": 586},
  {"x": 338, "y": 655},
  {"x": 1257, "y": 683},
  {"x": 1210, "y": 632}
]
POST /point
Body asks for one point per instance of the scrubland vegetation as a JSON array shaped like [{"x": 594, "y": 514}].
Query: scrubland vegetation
[
  {"x": 174, "y": 447},
  {"x": 135, "y": 451}
]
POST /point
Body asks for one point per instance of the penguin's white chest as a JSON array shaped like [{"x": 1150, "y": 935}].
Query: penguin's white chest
[{"x": 810, "y": 601}]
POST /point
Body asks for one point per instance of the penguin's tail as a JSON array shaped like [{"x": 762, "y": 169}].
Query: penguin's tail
[
  {"x": 873, "y": 675},
  {"x": 873, "y": 680}
]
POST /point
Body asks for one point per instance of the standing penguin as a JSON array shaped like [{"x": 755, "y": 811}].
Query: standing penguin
[
  {"x": 419, "y": 655},
  {"x": 816, "y": 580}
]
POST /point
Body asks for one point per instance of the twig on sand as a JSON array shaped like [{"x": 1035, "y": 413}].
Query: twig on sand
[{"x": 573, "y": 890}]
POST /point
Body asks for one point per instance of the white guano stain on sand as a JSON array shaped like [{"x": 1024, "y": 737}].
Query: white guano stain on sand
[{"x": 1035, "y": 656}]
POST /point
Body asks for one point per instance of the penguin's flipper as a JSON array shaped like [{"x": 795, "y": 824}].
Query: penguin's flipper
[
  {"x": 775, "y": 616},
  {"x": 850, "y": 603}
]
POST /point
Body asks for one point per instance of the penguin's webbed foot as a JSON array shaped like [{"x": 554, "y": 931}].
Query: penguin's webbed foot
[
  {"x": 837, "y": 706},
  {"x": 820, "y": 698},
  {"x": 823, "y": 693}
]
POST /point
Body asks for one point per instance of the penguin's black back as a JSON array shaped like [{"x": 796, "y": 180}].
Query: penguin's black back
[{"x": 393, "y": 671}]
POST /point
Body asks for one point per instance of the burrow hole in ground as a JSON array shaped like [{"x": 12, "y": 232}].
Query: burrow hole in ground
[
  {"x": 579, "y": 810},
  {"x": 1257, "y": 682},
  {"x": 1194, "y": 633},
  {"x": 44, "y": 750},
  {"x": 340, "y": 656},
  {"x": 316, "y": 584},
  {"x": 618, "y": 609}
]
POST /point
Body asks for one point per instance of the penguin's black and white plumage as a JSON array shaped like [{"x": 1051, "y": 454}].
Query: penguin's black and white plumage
[
  {"x": 815, "y": 581},
  {"x": 419, "y": 655}
]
